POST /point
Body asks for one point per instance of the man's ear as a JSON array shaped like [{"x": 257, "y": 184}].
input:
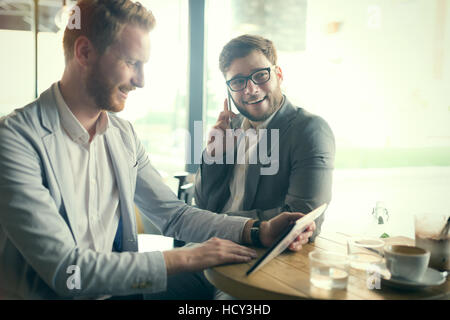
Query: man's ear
[
  {"x": 279, "y": 73},
  {"x": 85, "y": 53}
]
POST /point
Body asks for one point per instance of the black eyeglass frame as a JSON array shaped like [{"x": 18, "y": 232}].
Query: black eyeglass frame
[{"x": 249, "y": 77}]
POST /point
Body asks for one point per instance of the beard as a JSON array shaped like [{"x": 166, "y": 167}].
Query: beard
[
  {"x": 102, "y": 90},
  {"x": 274, "y": 101}
]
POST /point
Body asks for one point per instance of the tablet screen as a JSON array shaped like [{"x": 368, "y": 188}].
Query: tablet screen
[{"x": 287, "y": 237}]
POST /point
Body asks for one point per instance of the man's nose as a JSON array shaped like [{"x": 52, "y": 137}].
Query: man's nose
[
  {"x": 251, "y": 87},
  {"x": 138, "y": 77}
]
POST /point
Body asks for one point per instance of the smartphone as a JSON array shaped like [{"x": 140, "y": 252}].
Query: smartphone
[{"x": 229, "y": 106}]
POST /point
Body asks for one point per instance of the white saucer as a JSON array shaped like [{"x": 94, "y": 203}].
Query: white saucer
[{"x": 431, "y": 277}]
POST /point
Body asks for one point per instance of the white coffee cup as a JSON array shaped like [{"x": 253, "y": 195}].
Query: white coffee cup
[{"x": 406, "y": 262}]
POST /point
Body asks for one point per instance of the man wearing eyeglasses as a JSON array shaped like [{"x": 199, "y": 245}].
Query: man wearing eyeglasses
[{"x": 302, "y": 153}]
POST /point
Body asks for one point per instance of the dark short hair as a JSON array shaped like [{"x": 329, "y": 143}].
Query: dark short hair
[
  {"x": 102, "y": 21},
  {"x": 242, "y": 46}
]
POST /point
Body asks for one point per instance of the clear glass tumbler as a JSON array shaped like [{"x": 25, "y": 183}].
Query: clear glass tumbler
[
  {"x": 329, "y": 270},
  {"x": 430, "y": 235},
  {"x": 364, "y": 253}
]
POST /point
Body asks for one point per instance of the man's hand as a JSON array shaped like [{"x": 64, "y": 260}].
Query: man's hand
[
  {"x": 208, "y": 254},
  {"x": 271, "y": 230},
  {"x": 219, "y": 129}
]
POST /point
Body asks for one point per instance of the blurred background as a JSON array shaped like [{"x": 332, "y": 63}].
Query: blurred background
[{"x": 377, "y": 71}]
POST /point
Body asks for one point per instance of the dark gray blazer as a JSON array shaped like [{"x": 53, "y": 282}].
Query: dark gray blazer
[{"x": 302, "y": 183}]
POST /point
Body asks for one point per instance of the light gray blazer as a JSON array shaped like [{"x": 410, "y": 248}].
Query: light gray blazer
[{"x": 38, "y": 238}]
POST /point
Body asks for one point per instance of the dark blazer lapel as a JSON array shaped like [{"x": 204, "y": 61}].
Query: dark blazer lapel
[
  {"x": 283, "y": 118},
  {"x": 251, "y": 184},
  {"x": 280, "y": 121}
]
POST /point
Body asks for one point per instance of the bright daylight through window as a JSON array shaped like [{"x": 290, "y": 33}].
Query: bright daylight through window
[
  {"x": 377, "y": 71},
  {"x": 158, "y": 112}
]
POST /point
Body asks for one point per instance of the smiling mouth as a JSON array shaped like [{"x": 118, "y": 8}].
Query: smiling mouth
[
  {"x": 124, "y": 91},
  {"x": 256, "y": 102}
]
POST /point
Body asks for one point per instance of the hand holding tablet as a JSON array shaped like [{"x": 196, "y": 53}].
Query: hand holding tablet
[{"x": 287, "y": 237}]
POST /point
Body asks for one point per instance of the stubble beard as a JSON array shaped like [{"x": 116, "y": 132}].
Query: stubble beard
[
  {"x": 102, "y": 90},
  {"x": 274, "y": 103}
]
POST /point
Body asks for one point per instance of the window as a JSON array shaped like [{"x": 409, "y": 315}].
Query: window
[
  {"x": 50, "y": 45},
  {"x": 284, "y": 22},
  {"x": 159, "y": 110},
  {"x": 17, "y": 66},
  {"x": 378, "y": 72}
]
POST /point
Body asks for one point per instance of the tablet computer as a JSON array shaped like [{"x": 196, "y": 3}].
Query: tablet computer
[{"x": 287, "y": 237}]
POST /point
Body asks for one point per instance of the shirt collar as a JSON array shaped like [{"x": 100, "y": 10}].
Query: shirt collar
[
  {"x": 70, "y": 123},
  {"x": 102, "y": 123}
]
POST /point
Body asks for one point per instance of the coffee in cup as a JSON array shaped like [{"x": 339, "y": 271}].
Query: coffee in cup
[{"x": 406, "y": 262}]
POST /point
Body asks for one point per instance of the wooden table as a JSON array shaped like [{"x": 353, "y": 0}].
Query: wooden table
[{"x": 287, "y": 277}]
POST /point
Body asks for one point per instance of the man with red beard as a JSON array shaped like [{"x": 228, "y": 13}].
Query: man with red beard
[
  {"x": 71, "y": 172},
  {"x": 296, "y": 172}
]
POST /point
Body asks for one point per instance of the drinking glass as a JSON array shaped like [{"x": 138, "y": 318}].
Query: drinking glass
[
  {"x": 328, "y": 270},
  {"x": 430, "y": 235},
  {"x": 365, "y": 252}
]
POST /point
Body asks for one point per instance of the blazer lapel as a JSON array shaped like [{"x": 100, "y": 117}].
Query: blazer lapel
[
  {"x": 121, "y": 161},
  {"x": 281, "y": 122},
  {"x": 251, "y": 184},
  {"x": 57, "y": 154}
]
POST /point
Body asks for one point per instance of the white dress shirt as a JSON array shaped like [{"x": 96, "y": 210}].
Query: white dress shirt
[{"x": 96, "y": 194}]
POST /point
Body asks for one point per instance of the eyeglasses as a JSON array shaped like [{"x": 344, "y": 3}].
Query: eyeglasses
[{"x": 258, "y": 77}]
